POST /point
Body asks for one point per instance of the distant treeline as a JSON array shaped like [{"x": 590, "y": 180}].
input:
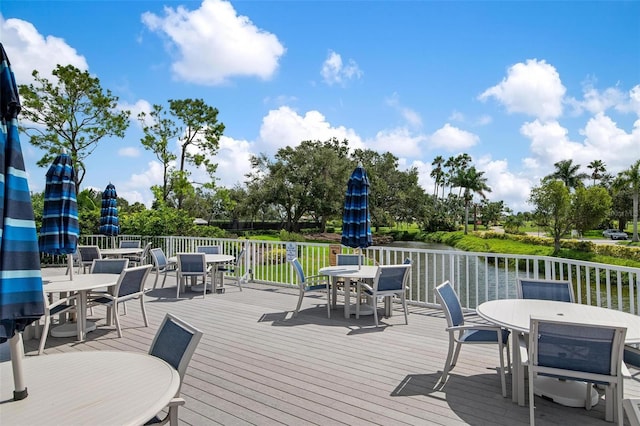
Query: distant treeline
[{"x": 239, "y": 225}]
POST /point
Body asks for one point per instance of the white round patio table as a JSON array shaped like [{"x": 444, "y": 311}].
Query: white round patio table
[
  {"x": 515, "y": 314},
  {"x": 90, "y": 387},
  {"x": 210, "y": 259},
  {"x": 349, "y": 272},
  {"x": 119, "y": 252},
  {"x": 81, "y": 284}
]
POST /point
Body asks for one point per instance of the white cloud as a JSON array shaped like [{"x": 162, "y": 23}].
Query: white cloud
[
  {"x": 233, "y": 161},
  {"x": 400, "y": 142},
  {"x": 533, "y": 88},
  {"x": 129, "y": 151},
  {"x": 408, "y": 114},
  {"x": 135, "y": 109},
  {"x": 285, "y": 127},
  {"x": 505, "y": 185},
  {"x": 213, "y": 43},
  {"x": 35, "y": 51},
  {"x": 136, "y": 189},
  {"x": 452, "y": 139},
  {"x": 335, "y": 72}
]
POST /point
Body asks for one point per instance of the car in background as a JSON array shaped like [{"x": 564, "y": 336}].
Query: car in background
[{"x": 614, "y": 234}]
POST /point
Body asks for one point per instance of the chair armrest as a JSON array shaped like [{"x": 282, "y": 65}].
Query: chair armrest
[
  {"x": 474, "y": 327},
  {"x": 625, "y": 371},
  {"x": 63, "y": 301}
]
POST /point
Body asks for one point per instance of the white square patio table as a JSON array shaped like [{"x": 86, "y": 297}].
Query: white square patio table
[
  {"x": 515, "y": 314},
  {"x": 89, "y": 387}
]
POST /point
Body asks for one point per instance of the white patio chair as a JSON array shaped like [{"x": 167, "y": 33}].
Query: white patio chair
[
  {"x": 192, "y": 266},
  {"x": 561, "y": 291},
  {"x": 130, "y": 286},
  {"x": 86, "y": 254},
  {"x": 209, "y": 249},
  {"x": 460, "y": 333},
  {"x": 390, "y": 280},
  {"x": 233, "y": 268},
  {"x": 61, "y": 306},
  {"x": 129, "y": 244},
  {"x": 108, "y": 266},
  {"x": 577, "y": 351},
  {"x": 161, "y": 265},
  {"x": 313, "y": 283},
  {"x": 140, "y": 259},
  {"x": 632, "y": 408},
  {"x": 175, "y": 342}
]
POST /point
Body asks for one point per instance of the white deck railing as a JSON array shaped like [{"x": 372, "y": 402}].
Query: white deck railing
[{"x": 477, "y": 277}]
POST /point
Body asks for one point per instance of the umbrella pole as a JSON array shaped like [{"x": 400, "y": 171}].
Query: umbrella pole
[{"x": 16, "y": 349}]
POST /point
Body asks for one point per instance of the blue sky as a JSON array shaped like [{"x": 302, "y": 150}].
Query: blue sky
[{"x": 517, "y": 85}]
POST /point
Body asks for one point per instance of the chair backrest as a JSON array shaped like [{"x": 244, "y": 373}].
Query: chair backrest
[
  {"x": 349, "y": 259},
  {"x": 159, "y": 258},
  {"x": 129, "y": 244},
  {"x": 240, "y": 256},
  {"x": 446, "y": 296},
  {"x": 298, "y": 268},
  {"x": 592, "y": 348},
  {"x": 108, "y": 266},
  {"x": 132, "y": 280},
  {"x": 145, "y": 252},
  {"x": 561, "y": 291},
  {"x": 209, "y": 249},
  {"x": 192, "y": 263},
  {"x": 391, "y": 277},
  {"x": 175, "y": 342},
  {"x": 86, "y": 254}
]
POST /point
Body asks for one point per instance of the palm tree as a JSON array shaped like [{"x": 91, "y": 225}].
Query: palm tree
[
  {"x": 567, "y": 172},
  {"x": 437, "y": 173},
  {"x": 630, "y": 178},
  {"x": 473, "y": 182},
  {"x": 598, "y": 168}
]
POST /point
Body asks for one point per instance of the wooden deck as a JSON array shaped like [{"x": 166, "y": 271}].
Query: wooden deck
[{"x": 255, "y": 365}]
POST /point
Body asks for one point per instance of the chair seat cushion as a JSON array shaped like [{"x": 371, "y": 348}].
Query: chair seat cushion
[
  {"x": 102, "y": 300},
  {"x": 316, "y": 287},
  {"x": 59, "y": 308},
  {"x": 482, "y": 335}
]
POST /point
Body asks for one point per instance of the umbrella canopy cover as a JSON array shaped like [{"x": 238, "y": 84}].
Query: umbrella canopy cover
[
  {"x": 60, "y": 228},
  {"x": 21, "y": 299},
  {"x": 356, "y": 223},
  {"x": 109, "y": 212}
]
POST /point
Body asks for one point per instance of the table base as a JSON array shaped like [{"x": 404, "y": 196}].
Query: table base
[
  {"x": 569, "y": 393},
  {"x": 70, "y": 329}
]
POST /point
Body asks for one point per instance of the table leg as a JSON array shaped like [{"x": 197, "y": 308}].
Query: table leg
[
  {"x": 517, "y": 370},
  {"x": 334, "y": 292},
  {"x": 347, "y": 298},
  {"x": 82, "y": 316}
]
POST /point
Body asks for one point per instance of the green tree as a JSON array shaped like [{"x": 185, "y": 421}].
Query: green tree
[
  {"x": 491, "y": 212},
  {"x": 195, "y": 126},
  {"x": 159, "y": 129},
  {"x": 472, "y": 182},
  {"x": 72, "y": 115},
  {"x": 567, "y": 172},
  {"x": 598, "y": 169},
  {"x": 309, "y": 179},
  {"x": 630, "y": 178},
  {"x": 553, "y": 211},
  {"x": 590, "y": 206},
  {"x": 437, "y": 173}
]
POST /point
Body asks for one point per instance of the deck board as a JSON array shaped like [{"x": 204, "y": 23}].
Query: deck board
[{"x": 255, "y": 365}]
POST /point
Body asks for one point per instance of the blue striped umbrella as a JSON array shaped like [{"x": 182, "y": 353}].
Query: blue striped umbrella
[
  {"x": 356, "y": 222},
  {"x": 60, "y": 228},
  {"x": 109, "y": 224},
  {"x": 21, "y": 300}
]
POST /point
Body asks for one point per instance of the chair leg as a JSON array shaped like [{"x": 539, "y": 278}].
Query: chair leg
[
  {"x": 144, "y": 311},
  {"x": 532, "y": 416},
  {"x": 239, "y": 279},
  {"x": 299, "y": 302},
  {"x": 155, "y": 282},
  {"x": 404, "y": 305},
  {"x": 447, "y": 365},
  {"x": 374, "y": 302},
  {"x": 116, "y": 318},
  {"x": 45, "y": 332}
]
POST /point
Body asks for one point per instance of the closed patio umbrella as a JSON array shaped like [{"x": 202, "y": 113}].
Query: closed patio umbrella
[
  {"x": 60, "y": 228},
  {"x": 21, "y": 298},
  {"x": 356, "y": 222},
  {"x": 109, "y": 224}
]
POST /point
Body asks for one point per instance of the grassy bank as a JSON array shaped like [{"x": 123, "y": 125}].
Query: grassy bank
[{"x": 536, "y": 246}]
